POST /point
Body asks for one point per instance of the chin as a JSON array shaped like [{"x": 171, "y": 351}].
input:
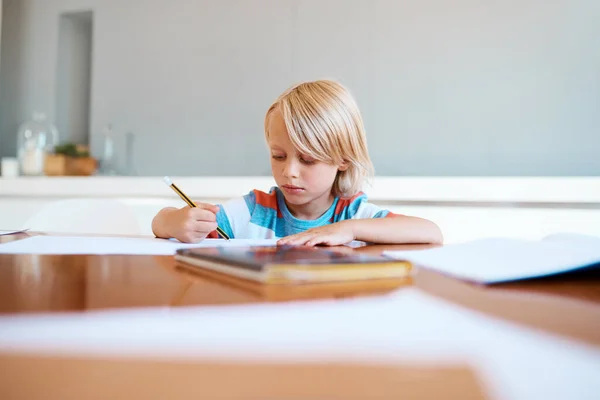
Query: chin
[{"x": 296, "y": 199}]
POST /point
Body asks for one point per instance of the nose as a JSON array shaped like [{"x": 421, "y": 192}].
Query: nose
[{"x": 291, "y": 169}]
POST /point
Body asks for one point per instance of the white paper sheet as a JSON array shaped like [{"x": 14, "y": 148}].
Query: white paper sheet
[
  {"x": 5, "y": 232},
  {"x": 114, "y": 245},
  {"x": 496, "y": 260}
]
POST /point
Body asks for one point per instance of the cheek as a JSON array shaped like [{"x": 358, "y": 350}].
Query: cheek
[
  {"x": 323, "y": 174},
  {"x": 275, "y": 167}
]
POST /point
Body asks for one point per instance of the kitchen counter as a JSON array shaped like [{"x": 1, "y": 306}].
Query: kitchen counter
[
  {"x": 550, "y": 190},
  {"x": 464, "y": 208}
]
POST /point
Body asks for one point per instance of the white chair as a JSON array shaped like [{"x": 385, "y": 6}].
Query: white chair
[{"x": 85, "y": 216}]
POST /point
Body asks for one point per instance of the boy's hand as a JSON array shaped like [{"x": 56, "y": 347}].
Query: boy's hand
[
  {"x": 330, "y": 235},
  {"x": 191, "y": 225}
]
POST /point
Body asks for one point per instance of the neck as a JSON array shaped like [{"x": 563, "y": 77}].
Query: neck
[{"x": 313, "y": 209}]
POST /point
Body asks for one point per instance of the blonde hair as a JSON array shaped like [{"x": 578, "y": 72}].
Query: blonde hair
[{"x": 323, "y": 122}]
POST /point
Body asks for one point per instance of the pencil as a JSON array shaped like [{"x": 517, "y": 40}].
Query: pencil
[{"x": 189, "y": 202}]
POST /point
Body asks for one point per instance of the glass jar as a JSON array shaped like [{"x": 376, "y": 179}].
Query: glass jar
[
  {"x": 36, "y": 138},
  {"x": 108, "y": 163}
]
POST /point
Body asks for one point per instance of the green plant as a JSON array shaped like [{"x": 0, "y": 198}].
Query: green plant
[{"x": 70, "y": 150}]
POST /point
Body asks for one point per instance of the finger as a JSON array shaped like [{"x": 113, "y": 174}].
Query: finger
[
  {"x": 196, "y": 238},
  {"x": 315, "y": 241},
  {"x": 199, "y": 214},
  {"x": 207, "y": 206},
  {"x": 298, "y": 240},
  {"x": 287, "y": 240},
  {"x": 205, "y": 227},
  {"x": 190, "y": 237},
  {"x": 193, "y": 226},
  {"x": 324, "y": 240}
]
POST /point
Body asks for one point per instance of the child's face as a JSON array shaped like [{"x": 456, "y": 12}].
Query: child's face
[{"x": 301, "y": 178}]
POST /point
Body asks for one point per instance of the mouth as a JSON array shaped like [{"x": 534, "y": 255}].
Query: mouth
[{"x": 292, "y": 188}]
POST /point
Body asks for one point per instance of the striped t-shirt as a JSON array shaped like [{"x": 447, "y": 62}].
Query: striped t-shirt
[{"x": 260, "y": 215}]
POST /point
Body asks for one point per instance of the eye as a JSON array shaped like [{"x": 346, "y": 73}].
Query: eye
[
  {"x": 307, "y": 160},
  {"x": 278, "y": 157}
]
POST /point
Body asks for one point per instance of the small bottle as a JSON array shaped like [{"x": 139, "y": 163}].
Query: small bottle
[
  {"x": 108, "y": 161},
  {"x": 36, "y": 138}
]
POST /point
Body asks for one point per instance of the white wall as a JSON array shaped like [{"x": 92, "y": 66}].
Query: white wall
[
  {"x": 73, "y": 77},
  {"x": 1, "y": 6},
  {"x": 461, "y": 87}
]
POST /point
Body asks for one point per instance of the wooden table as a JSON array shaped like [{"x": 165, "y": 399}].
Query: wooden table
[
  {"x": 567, "y": 306},
  {"x": 51, "y": 283}
]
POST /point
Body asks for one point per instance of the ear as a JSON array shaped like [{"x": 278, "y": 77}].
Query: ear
[{"x": 343, "y": 166}]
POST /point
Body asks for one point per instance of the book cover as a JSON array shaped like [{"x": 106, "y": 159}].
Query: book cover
[{"x": 280, "y": 264}]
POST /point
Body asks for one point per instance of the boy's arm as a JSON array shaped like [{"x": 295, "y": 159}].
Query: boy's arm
[
  {"x": 395, "y": 229},
  {"x": 186, "y": 225},
  {"x": 369, "y": 223}
]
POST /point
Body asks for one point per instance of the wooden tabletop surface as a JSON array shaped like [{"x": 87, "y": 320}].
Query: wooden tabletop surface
[{"x": 567, "y": 306}]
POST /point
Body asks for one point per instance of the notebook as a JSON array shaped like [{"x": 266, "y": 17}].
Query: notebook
[
  {"x": 291, "y": 264},
  {"x": 496, "y": 260}
]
